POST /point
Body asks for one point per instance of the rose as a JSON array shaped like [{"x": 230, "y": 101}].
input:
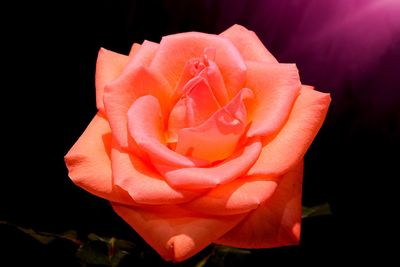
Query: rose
[{"x": 200, "y": 139}]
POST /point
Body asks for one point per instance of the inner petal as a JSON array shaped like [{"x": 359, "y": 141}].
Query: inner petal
[
  {"x": 196, "y": 105},
  {"x": 216, "y": 82},
  {"x": 217, "y": 137},
  {"x": 205, "y": 67},
  {"x": 145, "y": 124}
]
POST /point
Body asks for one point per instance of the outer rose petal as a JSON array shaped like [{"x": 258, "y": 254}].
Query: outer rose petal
[
  {"x": 290, "y": 144},
  {"x": 142, "y": 183},
  {"x": 248, "y": 44},
  {"x": 143, "y": 55},
  {"x": 177, "y": 49},
  {"x": 276, "y": 87},
  {"x": 274, "y": 223},
  {"x": 108, "y": 67},
  {"x": 88, "y": 162},
  {"x": 120, "y": 94},
  {"x": 216, "y": 138},
  {"x": 221, "y": 173},
  {"x": 176, "y": 234},
  {"x": 239, "y": 196},
  {"x": 135, "y": 47}
]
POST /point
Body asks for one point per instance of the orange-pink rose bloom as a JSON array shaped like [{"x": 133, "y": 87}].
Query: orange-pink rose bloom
[{"x": 200, "y": 139}]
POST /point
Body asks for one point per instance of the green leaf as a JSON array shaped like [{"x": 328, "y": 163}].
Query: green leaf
[
  {"x": 227, "y": 250},
  {"x": 118, "y": 256},
  {"x": 125, "y": 245},
  {"x": 224, "y": 256},
  {"x": 323, "y": 209},
  {"x": 96, "y": 250},
  {"x": 70, "y": 235},
  {"x": 45, "y": 237},
  {"x": 203, "y": 262},
  {"x": 94, "y": 237},
  {"x": 107, "y": 251},
  {"x": 41, "y": 237},
  {"x": 93, "y": 252}
]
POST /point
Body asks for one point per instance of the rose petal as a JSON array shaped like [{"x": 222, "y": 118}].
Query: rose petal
[
  {"x": 135, "y": 47},
  {"x": 200, "y": 103},
  {"x": 275, "y": 87},
  {"x": 108, "y": 67},
  {"x": 143, "y": 183},
  {"x": 216, "y": 82},
  {"x": 217, "y": 137},
  {"x": 120, "y": 94},
  {"x": 224, "y": 172},
  {"x": 146, "y": 126},
  {"x": 186, "y": 75},
  {"x": 213, "y": 76},
  {"x": 196, "y": 105},
  {"x": 293, "y": 140},
  {"x": 173, "y": 232},
  {"x": 248, "y": 44},
  {"x": 143, "y": 56},
  {"x": 239, "y": 196},
  {"x": 177, "y": 49},
  {"x": 88, "y": 162},
  {"x": 276, "y": 222}
]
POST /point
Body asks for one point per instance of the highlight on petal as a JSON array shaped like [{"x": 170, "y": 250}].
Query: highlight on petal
[
  {"x": 248, "y": 44},
  {"x": 177, "y": 49},
  {"x": 108, "y": 67},
  {"x": 208, "y": 177},
  {"x": 239, "y": 196},
  {"x": 120, "y": 95},
  {"x": 276, "y": 87},
  {"x": 276, "y": 222},
  {"x": 146, "y": 126},
  {"x": 176, "y": 234},
  {"x": 293, "y": 140},
  {"x": 89, "y": 164},
  {"x": 143, "y": 183},
  {"x": 216, "y": 138}
]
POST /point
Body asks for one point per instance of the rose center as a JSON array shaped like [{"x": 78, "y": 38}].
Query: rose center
[
  {"x": 204, "y": 122},
  {"x": 196, "y": 100}
]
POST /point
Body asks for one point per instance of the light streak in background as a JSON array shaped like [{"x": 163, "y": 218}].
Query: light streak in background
[
  {"x": 337, "y": 44},
  {"x": 352, "y": 34}
]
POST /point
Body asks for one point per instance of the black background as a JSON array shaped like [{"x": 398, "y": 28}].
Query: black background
[{"x": 49, "y": 99}]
